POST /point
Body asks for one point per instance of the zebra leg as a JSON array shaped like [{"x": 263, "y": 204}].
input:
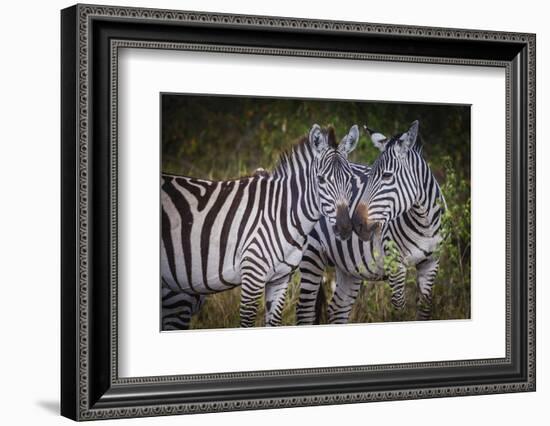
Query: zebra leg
[
  {"x": 178, "y": 308},
  {"x": 251, "y": 290},
  {"x": 396, "y": 280},
  {"x": 345, "y": 294},
  {"x": 426, "y": 272},
  {"x": 274, "y": 300},
  {"x": 312, "y": 268}
]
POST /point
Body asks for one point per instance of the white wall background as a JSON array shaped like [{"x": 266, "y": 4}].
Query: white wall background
[{"x": 29, "y": 211}]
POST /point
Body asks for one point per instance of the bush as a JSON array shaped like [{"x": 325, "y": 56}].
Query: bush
[{"x": 227, "y": 137}]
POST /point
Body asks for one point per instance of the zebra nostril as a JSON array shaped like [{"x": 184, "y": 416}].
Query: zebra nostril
[
  {"x": 346, "y": 233},
  {"x": 343, "y": 226}
]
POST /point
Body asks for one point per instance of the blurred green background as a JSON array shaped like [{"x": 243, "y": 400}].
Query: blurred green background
[{"x": 222, "y": 137}]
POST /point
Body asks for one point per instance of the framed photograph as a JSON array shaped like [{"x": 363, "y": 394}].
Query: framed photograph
[{"x": 263, "y": 212}]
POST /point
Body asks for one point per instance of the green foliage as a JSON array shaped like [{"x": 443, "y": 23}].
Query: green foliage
[
  {"x": 452, "y": 287},
  {"x": 228, "y": 136},
  {"x": 391, "y": 258}
]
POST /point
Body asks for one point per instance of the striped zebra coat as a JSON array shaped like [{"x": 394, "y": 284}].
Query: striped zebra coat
[
  {"x": 251, "y": 231},
  {"x": 406, "y": 205}
]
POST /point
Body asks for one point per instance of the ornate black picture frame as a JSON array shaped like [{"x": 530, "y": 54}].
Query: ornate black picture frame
[{"x": 91, "y": 36}]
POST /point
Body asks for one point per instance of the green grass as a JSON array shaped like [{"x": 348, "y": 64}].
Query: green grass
[{"x": 373, "y": 304}]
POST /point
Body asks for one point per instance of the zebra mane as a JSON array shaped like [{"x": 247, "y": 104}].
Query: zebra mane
[
  {"x": 301, "y": 146},
  {"x": 281, "y": 167}
]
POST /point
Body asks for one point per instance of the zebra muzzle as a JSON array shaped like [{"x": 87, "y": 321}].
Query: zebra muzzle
[
  {"x": 364, "y": 228},
  {"x": 343, "y": 227}
]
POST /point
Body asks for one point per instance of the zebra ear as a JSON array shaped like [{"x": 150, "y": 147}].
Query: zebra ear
[
  {"x": 408, "y": 139},
  {"x": 349, "y": 142},
  {"x": 377, "y": 138},
  {"x": 317, "y": 141}
]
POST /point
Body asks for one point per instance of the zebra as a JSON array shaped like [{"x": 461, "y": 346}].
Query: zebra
[
  {"x": 178, "y": 307},
  {"x": 399, "y": 206},
  {"x": 252, "y": 231}
]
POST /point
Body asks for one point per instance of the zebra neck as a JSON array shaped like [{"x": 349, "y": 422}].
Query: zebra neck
[
  {"x": 429, "y": 206},
  {"x": 299, "y": 203},
  {"x": 294, "y": 178}
]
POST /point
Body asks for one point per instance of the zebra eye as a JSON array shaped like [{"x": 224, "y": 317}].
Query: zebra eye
[
  {"x": 321, "y": 179},
  {"x": 387, "y": 176}
]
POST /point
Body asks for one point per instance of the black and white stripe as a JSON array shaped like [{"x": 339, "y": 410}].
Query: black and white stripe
[
  {"x": 400, "y": 201},
  {"x": 252, "y": 231},
  {"x": 178, "y": 307}
]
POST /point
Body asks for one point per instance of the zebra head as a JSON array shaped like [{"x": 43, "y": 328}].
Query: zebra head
[
  {"x": 333, "y": 175},
  {"x": 392, "y": 187}
]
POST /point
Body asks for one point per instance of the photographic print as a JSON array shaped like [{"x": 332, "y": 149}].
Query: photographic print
[
  {"x": 336, "y": 191},
  {"x": 284, "y": 212}
]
